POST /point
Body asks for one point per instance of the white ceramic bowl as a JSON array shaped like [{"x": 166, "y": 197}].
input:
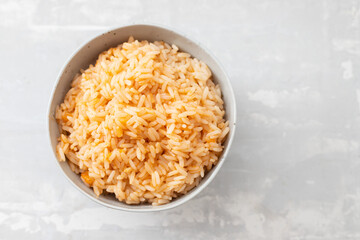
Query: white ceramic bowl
[{"x": 88, "y": 53}]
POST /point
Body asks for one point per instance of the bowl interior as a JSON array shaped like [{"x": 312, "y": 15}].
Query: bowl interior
[{"x": 87, "y": 55}]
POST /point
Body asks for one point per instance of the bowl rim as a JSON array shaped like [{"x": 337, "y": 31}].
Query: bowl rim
[{"x": 195, "y": 191}]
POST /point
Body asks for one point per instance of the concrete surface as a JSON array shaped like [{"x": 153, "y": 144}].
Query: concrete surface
[{"x": 294, "y": 170}]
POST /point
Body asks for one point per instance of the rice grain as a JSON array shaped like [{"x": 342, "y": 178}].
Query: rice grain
[{"x": 146, "y": 123}]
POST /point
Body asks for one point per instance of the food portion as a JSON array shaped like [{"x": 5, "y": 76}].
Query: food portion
[{"x": 146, "y": 123}]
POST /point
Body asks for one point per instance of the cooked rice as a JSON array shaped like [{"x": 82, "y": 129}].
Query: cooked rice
[{"x": 146, "y": 122}]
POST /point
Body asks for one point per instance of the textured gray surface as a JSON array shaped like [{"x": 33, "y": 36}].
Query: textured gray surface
[{"x": 293, "y": 172}]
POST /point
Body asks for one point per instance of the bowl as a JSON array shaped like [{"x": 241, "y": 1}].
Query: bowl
[{"x": 88, "y": 53}]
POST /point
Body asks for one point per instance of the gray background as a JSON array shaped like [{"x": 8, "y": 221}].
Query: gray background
[{"x": 294, "y": 169}]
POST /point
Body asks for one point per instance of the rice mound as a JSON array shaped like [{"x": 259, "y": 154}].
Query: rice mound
[{"x": 146, "y": 122}]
